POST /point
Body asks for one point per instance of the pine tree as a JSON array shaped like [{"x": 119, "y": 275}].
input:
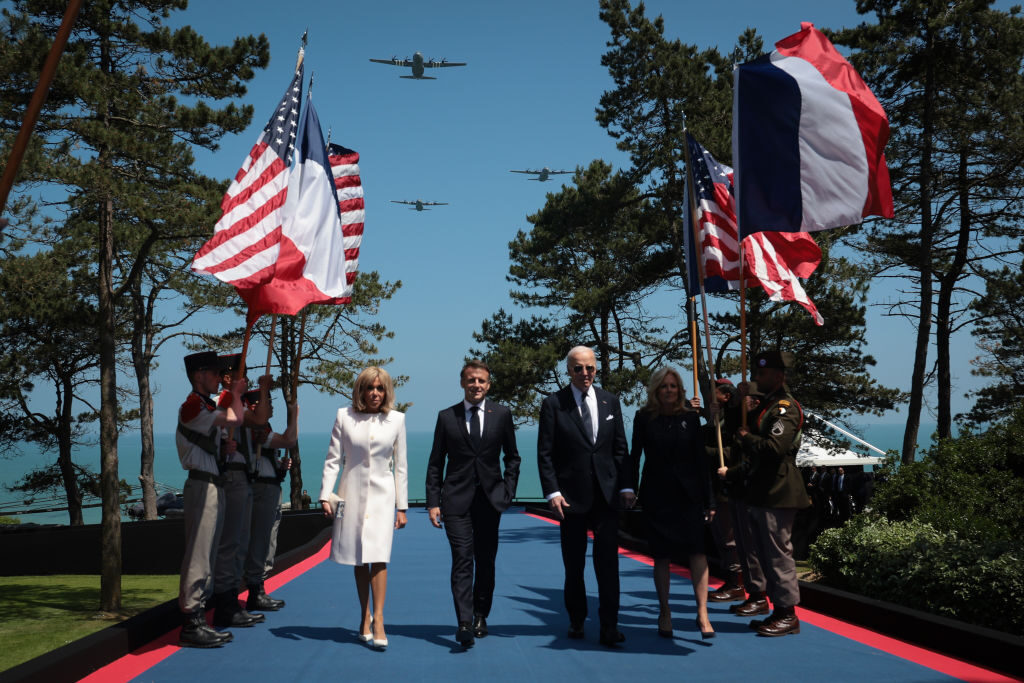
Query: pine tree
[
  {"x": 116, "y": 135},
  {"x": 948, "y": 74}
]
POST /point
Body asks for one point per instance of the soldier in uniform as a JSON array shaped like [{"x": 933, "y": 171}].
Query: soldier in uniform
[
  {"x": 260, "y": 443},
  {"x": 238, "y": 510},
  {"x": 775, "y": 489},
  {"x": 723, "y": 528},
  {"x": 198, "y": 441},
  {"x": 737, "y": 470}
]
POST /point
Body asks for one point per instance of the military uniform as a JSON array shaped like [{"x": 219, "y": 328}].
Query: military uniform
[
  {"x": 723, "y": 524},
  {"x": 738, "y": 465},
  {"x": 237, "y": 512},
  {"x": 775, "y": 491},
  {"x": 198, "y": 443},
  {"x": 258, "y": 553}
]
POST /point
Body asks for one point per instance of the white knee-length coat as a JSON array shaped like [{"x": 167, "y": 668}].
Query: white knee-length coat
[{"x": 369, "y": 449}]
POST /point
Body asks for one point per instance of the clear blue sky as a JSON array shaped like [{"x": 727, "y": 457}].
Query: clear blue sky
[{"x": 525, "y": 100}]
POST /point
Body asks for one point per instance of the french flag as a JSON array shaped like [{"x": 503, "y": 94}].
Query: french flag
[
  {"x": 311, "y": 266},
  {"x": 808, "y": 140}
]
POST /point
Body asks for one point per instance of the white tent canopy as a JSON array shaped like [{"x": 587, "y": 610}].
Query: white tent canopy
[
  {"x": 823, "y": 453},
  {"x": 820, "y": 451}
]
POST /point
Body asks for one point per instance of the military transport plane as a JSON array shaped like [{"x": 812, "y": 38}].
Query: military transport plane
[
  {"x": 542, "y": 174},
  {"x": 419, "y": 204},
  {"x": 418, "y": 64}
]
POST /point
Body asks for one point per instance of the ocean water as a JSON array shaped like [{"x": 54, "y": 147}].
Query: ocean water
[
  {"x": 313, "y": 448},
  {"x": 167, "y": 470}
]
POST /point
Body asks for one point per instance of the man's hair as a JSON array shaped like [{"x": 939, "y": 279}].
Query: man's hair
[
  {"x": 475, "y": 364},
  {"x": 578, "y": 349}
]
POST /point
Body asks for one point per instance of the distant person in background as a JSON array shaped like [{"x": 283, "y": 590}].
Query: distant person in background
[
  {"x": 723, "y": 525},
  {"x": 198, "y": 440},
  {"x": 368, "y": 447},
  {"x": 260, "y": 444},
  {"x": 675, "y": 489},
  {"x": 306, "y": 500},
  {"x": 581, "y": 457},
  {"x": 470, "y": 494},
  {"x": 841, "y": 493}
]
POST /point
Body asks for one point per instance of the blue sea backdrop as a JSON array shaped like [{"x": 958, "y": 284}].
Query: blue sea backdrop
[{"x": 313, "y": 450}]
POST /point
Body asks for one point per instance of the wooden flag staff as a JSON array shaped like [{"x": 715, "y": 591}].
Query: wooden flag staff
[{"x": 703, "y": 302}]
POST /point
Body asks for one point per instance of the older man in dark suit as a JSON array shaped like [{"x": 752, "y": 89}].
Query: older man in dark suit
[
  {"x": 472, "y": 434},
  {"x": 581, "y": 453}
]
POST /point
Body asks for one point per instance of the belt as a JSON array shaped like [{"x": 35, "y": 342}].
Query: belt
[
  {"x": 269, "y": 480},
  {"x": 215, "y": 479},
  {"x": 236, "y": 466}
]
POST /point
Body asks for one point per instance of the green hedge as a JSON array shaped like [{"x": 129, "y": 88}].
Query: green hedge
[
  {"x": 912, "y": 564},
  {"x": 945, "y": 534}
]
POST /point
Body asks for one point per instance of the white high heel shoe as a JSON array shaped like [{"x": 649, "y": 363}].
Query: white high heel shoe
[{"x": 367, "y": 637}]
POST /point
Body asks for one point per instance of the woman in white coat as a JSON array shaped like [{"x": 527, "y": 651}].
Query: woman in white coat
[{"x": 368, "y": 446}]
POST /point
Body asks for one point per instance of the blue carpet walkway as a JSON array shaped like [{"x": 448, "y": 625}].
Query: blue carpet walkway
[{"x": 314, "y": 637}]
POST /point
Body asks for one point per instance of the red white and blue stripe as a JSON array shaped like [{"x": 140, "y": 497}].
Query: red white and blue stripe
[{"x": 808, "y": 140}]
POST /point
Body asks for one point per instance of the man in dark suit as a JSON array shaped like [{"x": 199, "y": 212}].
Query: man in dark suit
[
  {"x": 472, "y": 434},
  {"x": 581, "y": 453}
]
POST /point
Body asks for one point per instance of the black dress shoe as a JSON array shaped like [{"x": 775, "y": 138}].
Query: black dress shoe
[
  {"x": 611, "y": 637},
  {"x": 727, "y": 594},
  {"x": 780, "y": 626},
  {"x": 479, "y": 626},
  {"x": 751, "y": 608},
  {"x": 465, "y": 634},
  {"x": 576, "y": 630}
]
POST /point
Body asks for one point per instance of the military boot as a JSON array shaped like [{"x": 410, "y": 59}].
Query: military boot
[
  {"x": 259, "y": 600},
  {"x": 230, "y": 613},
  {"x": 195, "y": 632}
]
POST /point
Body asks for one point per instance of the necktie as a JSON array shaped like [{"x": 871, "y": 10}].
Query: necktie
[
  {"x": 474, "y": 426},
  {"x": 588, "y": 426}
]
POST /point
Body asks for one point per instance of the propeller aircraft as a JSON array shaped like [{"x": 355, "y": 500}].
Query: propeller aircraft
[{"x": 418, "y": 64}]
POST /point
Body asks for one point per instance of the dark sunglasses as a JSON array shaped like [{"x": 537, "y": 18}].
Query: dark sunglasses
[{"x": 577, "y": 369}]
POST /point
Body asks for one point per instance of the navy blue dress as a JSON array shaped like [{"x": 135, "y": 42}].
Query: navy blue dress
[{"x": 675, "y": 488}]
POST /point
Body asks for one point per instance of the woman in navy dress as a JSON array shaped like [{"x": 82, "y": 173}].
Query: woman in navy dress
[{"x": 675, "y": 489}]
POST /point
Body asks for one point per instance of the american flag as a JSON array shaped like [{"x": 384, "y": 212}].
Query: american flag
[
  {"x": 349, "y": 188},
  {"x": 775, "y": 260},
  {"x": 246, "y": 239}
]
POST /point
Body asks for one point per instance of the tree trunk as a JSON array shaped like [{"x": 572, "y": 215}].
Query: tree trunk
[
  {"x": 943, "y": 317},
  {"x": 141, "y": 361},
  {"x": 67, "y": 471},
  {"x": 110, "y": 531},
  {"x": 110, "y": 562},
  {"x": 924, "y": 321}
]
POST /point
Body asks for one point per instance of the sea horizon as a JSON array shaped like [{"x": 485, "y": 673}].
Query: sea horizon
[{"x": 313, "y": 450}]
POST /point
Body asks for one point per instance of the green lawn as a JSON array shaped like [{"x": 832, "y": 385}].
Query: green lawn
[{"x": 42, "y": 613}]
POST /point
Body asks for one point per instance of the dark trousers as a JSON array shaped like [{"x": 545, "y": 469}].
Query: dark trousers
[
  {"x": 473, "y": 537},
  {"x": 603, "y": 520}
]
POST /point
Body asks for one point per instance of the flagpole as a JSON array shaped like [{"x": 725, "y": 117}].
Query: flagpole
[
  {"x": 703, "y": 296},
  {"x": 35, "y": 105},
  {"x": 240, "y": 372},
  {"x": 693, "y": 341},
  {"x": 743, "y": 316}
]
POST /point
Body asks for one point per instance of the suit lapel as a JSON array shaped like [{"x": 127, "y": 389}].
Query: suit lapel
[{"x": 604, "y": 410}]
